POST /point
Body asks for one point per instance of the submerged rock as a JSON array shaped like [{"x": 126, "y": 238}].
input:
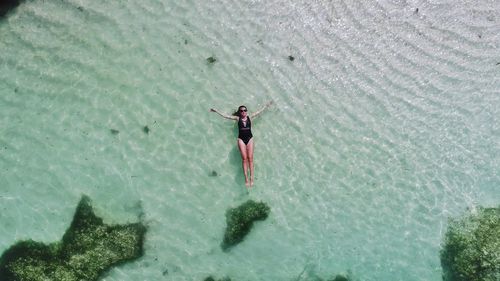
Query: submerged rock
[
  {"x": 7, "y": 5},
  {"x": 87, "y": 250},
  {"x": 240, "y": 221},
  {"x": 471, "y": 250},
  {"x": 340, "y": 278},
  {"x": 145, "y": 129},
  {"x": 211, "y": 59},
  {"x": 210, "y": 278}
]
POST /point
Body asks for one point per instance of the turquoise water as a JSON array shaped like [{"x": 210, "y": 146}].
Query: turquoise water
[{"x": 385, "y": 124}]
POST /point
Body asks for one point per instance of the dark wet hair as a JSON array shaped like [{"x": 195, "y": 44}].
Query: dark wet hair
[{"x": 237, "y": 112}]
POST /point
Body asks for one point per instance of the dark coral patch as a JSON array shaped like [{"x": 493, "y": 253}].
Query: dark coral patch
[
  {"x": 240, "y": 221},
  {"x": 8, "y": 5},
  {"x": 340, "y": 278},
  {"x": 210, "y": 278},
  {"x": 87, "y": 250},
  {"x": 471, "y": 250},
  {"x": 211, "y": 59}
]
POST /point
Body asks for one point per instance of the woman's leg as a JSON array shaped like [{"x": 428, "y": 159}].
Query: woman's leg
[
  {"x": 244, "y": 159},
  {"x": 250, "y": 159}
]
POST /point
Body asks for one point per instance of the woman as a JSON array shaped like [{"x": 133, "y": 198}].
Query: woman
[{"x": 245, "y": 138}]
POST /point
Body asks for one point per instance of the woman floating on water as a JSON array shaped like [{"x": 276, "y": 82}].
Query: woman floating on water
[{"x": 245, "y": 141}]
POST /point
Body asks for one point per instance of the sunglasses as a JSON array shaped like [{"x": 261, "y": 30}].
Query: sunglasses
[{"x": 243, "y": 110}]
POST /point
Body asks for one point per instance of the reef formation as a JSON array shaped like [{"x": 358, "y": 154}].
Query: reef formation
[
  {"x": 471, "y": 249},
  {"x": 240, "y": 221},
  {"x": 340, "y": 278},
  {"x": 88, "y": 248},
  {"x": 210, "y": 278},
  {"x": 8, "y": 5}
]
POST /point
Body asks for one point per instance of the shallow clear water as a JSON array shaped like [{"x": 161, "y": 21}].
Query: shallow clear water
[{"x": 385, "y": 124}]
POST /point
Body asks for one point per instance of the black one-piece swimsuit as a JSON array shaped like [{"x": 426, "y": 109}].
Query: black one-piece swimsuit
[{"x": 245, "y": 132}]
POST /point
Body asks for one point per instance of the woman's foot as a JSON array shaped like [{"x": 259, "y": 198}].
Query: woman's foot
[
  {"x": 251, "y": 182},
  {"x": 247, "y": 184}
]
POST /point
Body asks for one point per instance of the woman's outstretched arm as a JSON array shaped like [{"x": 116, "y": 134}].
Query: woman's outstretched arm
[
  {"x": 231, "y": 117},
  {"x": 253, "y": 115}
]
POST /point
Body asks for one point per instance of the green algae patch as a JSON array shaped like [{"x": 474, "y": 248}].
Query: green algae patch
[
  {"x": 340, "y": 278},
  {"x": 240, "y": 221},
  {"x": 211, "y": 60},
  {"x": 87, "y": 250},
  {"x": 6, "y": 6},
  {"x": 471, "y": 250},
  {"x": 210, "y": 278}
]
